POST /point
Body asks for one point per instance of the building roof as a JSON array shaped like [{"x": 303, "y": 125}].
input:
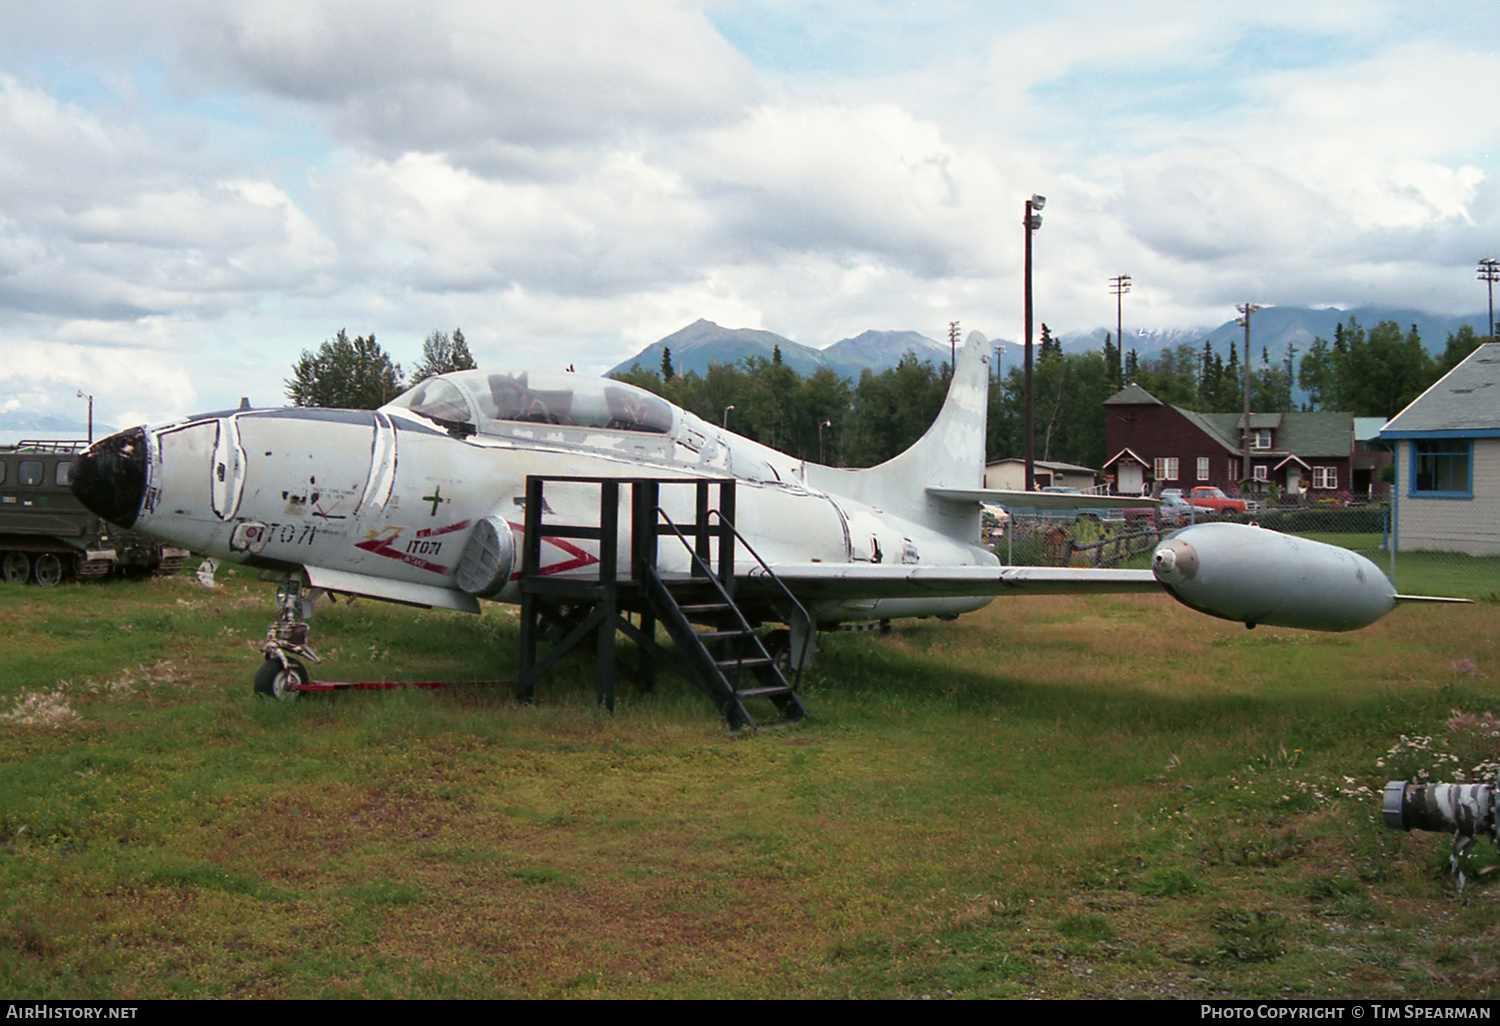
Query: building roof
[
  {"x": 1466, "y": 399},
  {"x": 1045, "y": 464},
  {"x": 1122, "y": 454},
  {"x": 1132, "y": 394},
  {"x": 1324, "y": 433},
  {"x": 1367, "y": 428},
  {"x": 1228, "y": 436}
]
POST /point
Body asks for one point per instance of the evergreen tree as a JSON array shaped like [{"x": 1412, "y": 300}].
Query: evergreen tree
[
  {"x": 1459, "y": 346},
  {"x": 353, "y": 374},
  {"x": 1316, "y": 375},
  {"x": 667, "y": 374},
  {"x": 1112, "y": 363},
  {"x": 1208, "y": 377},
  {"x": 1378, "y": 373},
  {"x": 1231, "y": 389},
  {"x": 1051, "y": 347},
  {"x": 442, "y": 353},
  {"x": 1172, "y": 376}
]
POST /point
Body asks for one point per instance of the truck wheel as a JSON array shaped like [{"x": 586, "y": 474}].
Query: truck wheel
[
  {"x": 277, "y": 681},
  {"x": 49, "y": 570},
  {"x": 16, "y": 568}
]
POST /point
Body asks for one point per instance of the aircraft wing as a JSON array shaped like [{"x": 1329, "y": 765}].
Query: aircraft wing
[
  {"x": 1044, "y": 500},
  {"x": 1233, "y": 571},
  {"x": 829, "y": 581}
]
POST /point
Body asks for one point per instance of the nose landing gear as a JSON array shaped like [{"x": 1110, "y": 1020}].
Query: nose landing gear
[{"x": 283, "y": 674}]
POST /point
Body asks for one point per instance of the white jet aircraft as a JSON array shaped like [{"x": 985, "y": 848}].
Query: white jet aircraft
[{"x": 423, "y": 502}]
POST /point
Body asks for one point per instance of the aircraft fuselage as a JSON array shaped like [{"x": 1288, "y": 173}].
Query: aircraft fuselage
[{"x": 384, "y": 502}]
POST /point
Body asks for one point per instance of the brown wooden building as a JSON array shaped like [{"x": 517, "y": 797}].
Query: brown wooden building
[{"x": 1156, "y": 445}]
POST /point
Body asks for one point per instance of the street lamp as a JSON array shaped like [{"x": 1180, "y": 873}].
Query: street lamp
[
  {"x": 90, "y": 398},
  {"x": 821, "y": 425},
  {"x": 1489, "y": 273},
  {"x": 726, "y": 415},
  {"x": 1030, "y": 222}
]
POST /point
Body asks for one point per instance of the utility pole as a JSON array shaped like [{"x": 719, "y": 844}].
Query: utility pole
[
  {"x": 1489, "y": 273},
  {"x": 1119, "y": 285},
  {"x": 1246, "y": 310},
  {"x": 953, "y": 347},
  {"x": 1030, "y": 222}
]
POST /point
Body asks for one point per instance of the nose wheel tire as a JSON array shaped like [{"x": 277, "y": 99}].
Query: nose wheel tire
[
  {"x": 280, "y": 682},
  {"x": 16, "y": 567},
  {"x": 49, "y": 570}
]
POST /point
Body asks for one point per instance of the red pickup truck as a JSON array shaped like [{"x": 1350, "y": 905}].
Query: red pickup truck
[{"x": 1209, "y": 497}]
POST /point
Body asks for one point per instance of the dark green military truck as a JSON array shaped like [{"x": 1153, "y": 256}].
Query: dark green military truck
[{"x": 47, "y": 535}]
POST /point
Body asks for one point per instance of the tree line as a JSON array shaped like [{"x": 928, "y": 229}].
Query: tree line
[
  {"x": 358, "y": 374},
  {"x": 823, "y": 417},
  {"x": 1367, "y": 373}
]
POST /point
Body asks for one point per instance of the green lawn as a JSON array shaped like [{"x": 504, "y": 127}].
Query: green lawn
[
  {"x": 1448, "y": 574},
  {"x": 1094, "y": 797}
]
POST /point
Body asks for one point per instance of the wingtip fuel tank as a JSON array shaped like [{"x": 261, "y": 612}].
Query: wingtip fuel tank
[{"x": 1254, "y": 576}]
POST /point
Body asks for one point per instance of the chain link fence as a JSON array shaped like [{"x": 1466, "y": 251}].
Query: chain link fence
[{"x": 1127, "y": 538}]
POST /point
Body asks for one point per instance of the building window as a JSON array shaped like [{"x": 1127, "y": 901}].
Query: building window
[
  {"x": 1262, "y": 472},
  {"x": 1234, "y": 470},
  {"x": 1325, "y": 477},
  {"x": 1443, "y": 468},
  {"x": 1165, "y": 468},
  {"x": 1261, "y": 439},
  {"x": 1202, "y": 468}
]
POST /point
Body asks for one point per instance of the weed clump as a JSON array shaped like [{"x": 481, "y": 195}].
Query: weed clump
[{"x": 41, "y": 709}]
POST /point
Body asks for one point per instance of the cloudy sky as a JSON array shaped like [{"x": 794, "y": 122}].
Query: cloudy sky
[{"x": 191, "y": 193}]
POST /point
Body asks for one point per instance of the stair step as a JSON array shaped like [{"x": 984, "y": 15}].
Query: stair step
[
  {"x": 706, "y": 607},
  {"x": 747, "y": 662},
  {"x": 779, "y": 689}
]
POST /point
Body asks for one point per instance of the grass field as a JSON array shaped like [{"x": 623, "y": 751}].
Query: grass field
[{"x": 1092, "y": 797}]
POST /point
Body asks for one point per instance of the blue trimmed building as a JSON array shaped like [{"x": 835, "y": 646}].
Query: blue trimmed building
[{"x": 1447, "y": 446}]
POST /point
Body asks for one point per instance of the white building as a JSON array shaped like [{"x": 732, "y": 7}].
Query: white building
[
  {"x": 1011, "y": 473},
  {"x": 1447, "y": 492}
]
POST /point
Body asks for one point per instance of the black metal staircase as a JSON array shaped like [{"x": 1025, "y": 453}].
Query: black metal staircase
[{"x": 726, "y": 658}]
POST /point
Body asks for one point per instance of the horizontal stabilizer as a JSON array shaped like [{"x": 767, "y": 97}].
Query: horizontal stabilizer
[
  {"x": 1043, "y": 500},
  {"x": 405, "y": 592}
]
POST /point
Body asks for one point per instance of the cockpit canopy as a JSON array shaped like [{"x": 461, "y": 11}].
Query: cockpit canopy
[{"x": 486, "y": 401}]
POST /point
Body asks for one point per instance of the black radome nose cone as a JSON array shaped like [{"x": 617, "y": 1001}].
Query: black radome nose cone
[{"x": 110, "y": 478}]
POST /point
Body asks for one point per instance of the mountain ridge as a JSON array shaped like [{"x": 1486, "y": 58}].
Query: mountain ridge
[{"x": 703, "y": 343}]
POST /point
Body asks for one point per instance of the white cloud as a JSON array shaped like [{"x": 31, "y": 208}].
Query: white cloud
[
  {"x": 867, "y": 180},
  {"x": 459, "y": 76},
  {"x": 215, "y": 186}
]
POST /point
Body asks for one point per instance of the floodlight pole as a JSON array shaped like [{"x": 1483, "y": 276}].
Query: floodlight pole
[
  {"x": 90, "y": 398},
  {"x": 1030, "y": 222},
  {"x": 1489, "y": 273}
]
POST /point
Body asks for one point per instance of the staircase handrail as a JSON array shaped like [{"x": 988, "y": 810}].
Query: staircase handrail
[{"x": 698, "y": 560}]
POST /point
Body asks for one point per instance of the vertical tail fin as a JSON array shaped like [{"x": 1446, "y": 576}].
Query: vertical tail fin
[{"x": 949, "y": 455}]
